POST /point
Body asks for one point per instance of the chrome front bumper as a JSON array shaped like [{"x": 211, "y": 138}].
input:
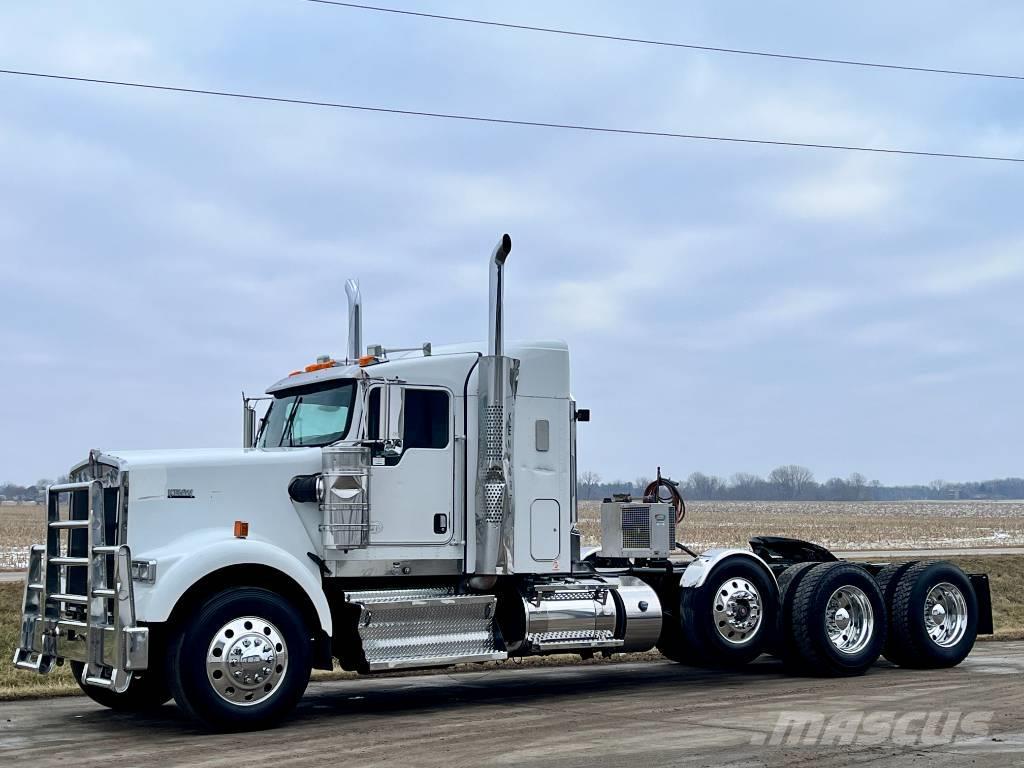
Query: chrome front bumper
[{"x": 96, "y": 627}]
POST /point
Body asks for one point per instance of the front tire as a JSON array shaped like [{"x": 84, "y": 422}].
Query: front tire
[
  {"x": 729, "y": 620},
  {"x": 147, "y": 691},
  {"x": 243, "y": 661}
]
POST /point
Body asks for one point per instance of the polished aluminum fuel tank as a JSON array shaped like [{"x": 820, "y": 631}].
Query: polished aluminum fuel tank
[{"x": 619, "y": 614}]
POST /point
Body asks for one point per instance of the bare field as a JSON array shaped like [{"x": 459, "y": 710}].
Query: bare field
[
  {"x": 838, "y": 525},
  {"x": 20, "y": 527}
]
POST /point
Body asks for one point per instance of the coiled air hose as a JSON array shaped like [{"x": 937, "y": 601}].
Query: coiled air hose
[{"x": 674, "y": 498}]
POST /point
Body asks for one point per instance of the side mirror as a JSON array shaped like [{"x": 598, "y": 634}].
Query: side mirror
[
  {"x": 393, "y": 406},
  {"x": 248, "y": 422}
]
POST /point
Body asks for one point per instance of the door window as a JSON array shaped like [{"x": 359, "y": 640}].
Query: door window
[{"x": 426, "y": 418}]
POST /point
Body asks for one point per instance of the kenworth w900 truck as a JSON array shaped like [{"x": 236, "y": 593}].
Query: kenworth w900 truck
[{"x": 416, "y": 508}]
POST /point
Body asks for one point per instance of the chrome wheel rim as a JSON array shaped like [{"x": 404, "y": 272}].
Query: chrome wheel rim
[
  {"x": 849, "y": 620},
  {"x": 737, "y": 611},
  {"x": 247, "y": 661},
  {"x": 945, "y": 615}
]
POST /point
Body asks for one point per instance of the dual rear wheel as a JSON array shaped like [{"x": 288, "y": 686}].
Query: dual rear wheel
[
  {"x": 834, "y": 622},
  {"x": 829, "y": 619},
  {"x": 836, "y": 619},
  {"x": 933, "y": 614}
]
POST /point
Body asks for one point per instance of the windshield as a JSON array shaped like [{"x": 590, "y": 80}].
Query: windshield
[{"x": 318, "y": 414}]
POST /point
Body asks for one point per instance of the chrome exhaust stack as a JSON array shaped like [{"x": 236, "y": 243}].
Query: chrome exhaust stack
[
  {"x": 355, "y": 320},
  {"x": 496, "y": 284},
  {"x": 496, "y": 395}
]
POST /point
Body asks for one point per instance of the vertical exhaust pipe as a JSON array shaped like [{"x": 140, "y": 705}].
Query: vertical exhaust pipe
[
  {"x": 496, "y": 337},
  {"x": 495, "y": 399},
  {"x": 355, "y": 320}
]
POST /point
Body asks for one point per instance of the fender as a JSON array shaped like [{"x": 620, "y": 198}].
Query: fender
[
  {"x": 696, "y": 573},
  {"x": 200, "y": 554}
]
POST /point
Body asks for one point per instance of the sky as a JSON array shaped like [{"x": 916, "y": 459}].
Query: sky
[{"x": 728, "y": 307}]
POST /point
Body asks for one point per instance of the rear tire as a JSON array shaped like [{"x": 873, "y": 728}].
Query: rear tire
[
  {"x": 243, "y": 661},
  {"x": 146, "y": 692},
  {"x": 730, "y": 619},
  {"x": 837, "y": 621},
  {"x": 934, "y": 616},
  {"x": 887, "y": 579},
  {"x": 788, "y": 582}
]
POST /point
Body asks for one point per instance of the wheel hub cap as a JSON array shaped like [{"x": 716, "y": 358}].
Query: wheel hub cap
[
  {"x": 945, "y": 615},
  {"x": 849, "y": 620},
  {"x": 246, "y": 661},
  {"x": 842, "y": 619},
  {"x": 737, "y": 611}
]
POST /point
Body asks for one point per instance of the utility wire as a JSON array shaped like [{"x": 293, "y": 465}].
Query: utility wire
[
  {"x": 507, "y": 121},
  {"x": 668, "y": 44}
]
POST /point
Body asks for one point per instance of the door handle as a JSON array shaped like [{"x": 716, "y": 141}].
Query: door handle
[{"x": 440, "y": 523}]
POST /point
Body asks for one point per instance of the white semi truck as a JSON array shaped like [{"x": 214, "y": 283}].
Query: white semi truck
[{"x": 415, "y": 508}]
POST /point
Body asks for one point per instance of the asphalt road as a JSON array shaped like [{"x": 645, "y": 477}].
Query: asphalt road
[{"x": 641, "y": 715}]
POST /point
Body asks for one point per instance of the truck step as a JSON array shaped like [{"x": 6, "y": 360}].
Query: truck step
[
  {"x": 65, "y": 560},
  {"x": 428, "y": 627},
  {"x": 60, "y": 597},
  {"x": 69, "y": 524}
]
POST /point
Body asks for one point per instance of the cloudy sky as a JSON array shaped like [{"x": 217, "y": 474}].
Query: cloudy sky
[{"x": 729, "y": 307}]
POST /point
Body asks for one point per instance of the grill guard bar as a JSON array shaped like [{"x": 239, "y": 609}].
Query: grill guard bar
[{"x": 98, "y": 627}]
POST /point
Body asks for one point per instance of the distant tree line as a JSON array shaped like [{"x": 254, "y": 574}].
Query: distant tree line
[
  {"x": 792, "y": 482},
  {"x": 28, "y": 494}
]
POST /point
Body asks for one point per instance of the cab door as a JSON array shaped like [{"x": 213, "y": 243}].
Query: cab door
[{"x": 412, "y": 494}]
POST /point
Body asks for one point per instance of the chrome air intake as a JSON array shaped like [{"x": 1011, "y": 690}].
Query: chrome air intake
[
  {"x": 345, "y": 497},
  {"x": 495, "y": 394}
]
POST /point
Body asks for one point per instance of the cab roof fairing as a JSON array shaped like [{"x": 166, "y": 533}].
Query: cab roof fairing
[{"x": 544, "y": 368}]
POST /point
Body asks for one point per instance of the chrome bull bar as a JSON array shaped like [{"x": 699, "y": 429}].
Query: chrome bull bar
[{"x": 98, "y": 627}]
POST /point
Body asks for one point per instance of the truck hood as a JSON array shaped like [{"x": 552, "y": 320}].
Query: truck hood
[
  {"x": 174, "y": 494},
  {"x": 208, "y": 473}
]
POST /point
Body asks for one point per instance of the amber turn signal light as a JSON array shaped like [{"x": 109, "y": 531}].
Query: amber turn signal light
[{"x": 241, "y": 529}]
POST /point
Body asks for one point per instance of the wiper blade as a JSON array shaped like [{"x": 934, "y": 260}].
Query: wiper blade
[{"x": 288, "y": 424}]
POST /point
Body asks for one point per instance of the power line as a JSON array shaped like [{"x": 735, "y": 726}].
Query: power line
[
  {"x": 507, "y": 121},
  {"x": 668, "y": 44}
]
